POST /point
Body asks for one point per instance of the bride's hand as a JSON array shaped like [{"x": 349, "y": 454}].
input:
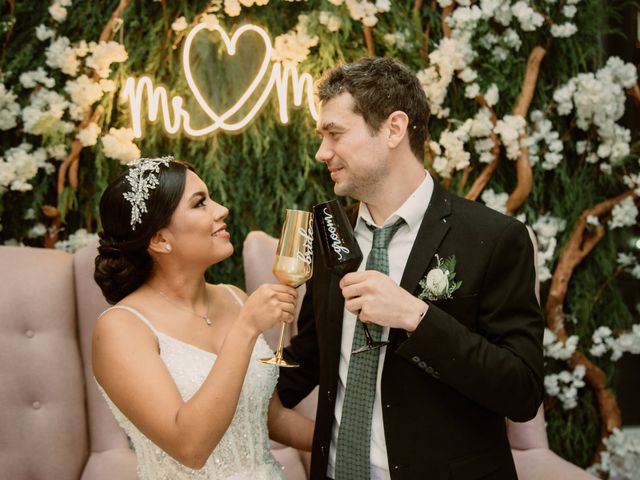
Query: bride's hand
[{"x": 269, "y": 305}]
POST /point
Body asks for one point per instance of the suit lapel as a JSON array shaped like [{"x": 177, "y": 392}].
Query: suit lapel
[{"x": 432, "y": 231}]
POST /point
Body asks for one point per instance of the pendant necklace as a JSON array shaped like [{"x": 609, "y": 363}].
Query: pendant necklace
[{"x": 204, "y": 317}]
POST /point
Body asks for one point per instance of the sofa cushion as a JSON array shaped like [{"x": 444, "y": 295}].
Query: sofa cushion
[{"x": 42, "y": 401}]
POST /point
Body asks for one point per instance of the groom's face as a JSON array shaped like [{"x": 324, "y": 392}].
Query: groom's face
[{"x": 355, "y": 156}]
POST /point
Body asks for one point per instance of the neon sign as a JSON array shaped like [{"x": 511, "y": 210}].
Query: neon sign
[{"x": 174, "y": 115}]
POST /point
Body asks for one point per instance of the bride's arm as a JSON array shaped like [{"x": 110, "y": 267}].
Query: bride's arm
[
  {"x": 288, "y": 426},
  {"x": 127, "y": 365}
]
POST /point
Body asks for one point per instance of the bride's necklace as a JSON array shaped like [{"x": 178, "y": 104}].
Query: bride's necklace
[{"x": 204, "y": 317}]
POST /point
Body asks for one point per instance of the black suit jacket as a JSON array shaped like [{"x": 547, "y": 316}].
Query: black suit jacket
[{"x": 473, "y": 360}]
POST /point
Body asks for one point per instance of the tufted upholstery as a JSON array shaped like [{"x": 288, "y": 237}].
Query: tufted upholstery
[
  {"x": 529, "y": 445},
  {"x": 53, "y": 422}
]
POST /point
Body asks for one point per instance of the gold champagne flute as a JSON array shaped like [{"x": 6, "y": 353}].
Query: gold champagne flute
[{"x": 293, "y": 264}]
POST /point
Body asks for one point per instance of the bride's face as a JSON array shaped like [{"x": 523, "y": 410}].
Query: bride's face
[{"x": 197, "y": 229}]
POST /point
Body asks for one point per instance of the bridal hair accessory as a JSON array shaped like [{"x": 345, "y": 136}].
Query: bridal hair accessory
[{"x": 143, "y": 177}]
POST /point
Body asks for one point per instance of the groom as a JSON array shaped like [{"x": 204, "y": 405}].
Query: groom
[{"x": 464, "y": 351}]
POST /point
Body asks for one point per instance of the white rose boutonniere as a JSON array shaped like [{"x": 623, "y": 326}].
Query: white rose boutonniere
[{"x": 439, "y": 283}]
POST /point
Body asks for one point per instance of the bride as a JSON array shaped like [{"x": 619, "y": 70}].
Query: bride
[{"x": 175, "y": 357}]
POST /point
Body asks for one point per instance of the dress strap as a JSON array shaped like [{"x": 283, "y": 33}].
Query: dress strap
[
  {"x": 134, "y": 312},
  {"x": 233, "y": 294}
]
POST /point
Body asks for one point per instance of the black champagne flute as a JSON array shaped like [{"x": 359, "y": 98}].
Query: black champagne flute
[{"x": 340, "y": 251}]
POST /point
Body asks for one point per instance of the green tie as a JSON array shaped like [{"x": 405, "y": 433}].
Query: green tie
[{"x": 354, "y": 435}]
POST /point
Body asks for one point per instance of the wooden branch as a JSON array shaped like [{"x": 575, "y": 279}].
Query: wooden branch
[
  {"x": 54, "y": 221},
  {"x": 417, "y": 6},
  {"x": 524, "y": 184},
  {"x": 424, "y": 48},
  {"x": 446, "y": 11},
  {"x": 600, "y": 292},
  {"x": 368, "y": 39},
  {"x": 75, "y": 162},
  {"x": 484, "y": 177},
  {"x": 69, "y": 167},
  {"x": 529, "y": 83},
  {"x": 634, "y": 93},
  {"x": 524, "y": 170},
  {"x": 581, "y": 242},
  {"x": 107, "y": 31}
]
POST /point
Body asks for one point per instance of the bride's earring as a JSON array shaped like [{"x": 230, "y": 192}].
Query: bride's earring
[{"x": 168, "y": 248}]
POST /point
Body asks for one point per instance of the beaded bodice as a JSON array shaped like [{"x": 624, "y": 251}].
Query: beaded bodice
[{"x": 244, "y": 452}]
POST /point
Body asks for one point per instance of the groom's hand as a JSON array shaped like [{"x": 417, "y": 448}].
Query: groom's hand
[{"x": 376, "y": 298}]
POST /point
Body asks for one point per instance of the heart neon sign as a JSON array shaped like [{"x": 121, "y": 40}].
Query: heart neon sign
[{"x": 174, "y": 115}]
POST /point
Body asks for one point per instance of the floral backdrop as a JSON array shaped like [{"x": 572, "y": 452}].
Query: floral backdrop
[{"x": 530, "y": 116}]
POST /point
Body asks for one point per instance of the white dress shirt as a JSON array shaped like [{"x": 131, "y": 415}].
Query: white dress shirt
[{"x": 412, "y": 211}]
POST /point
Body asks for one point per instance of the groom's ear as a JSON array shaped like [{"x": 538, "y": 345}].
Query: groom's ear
[{"x": 397, "y": 124}]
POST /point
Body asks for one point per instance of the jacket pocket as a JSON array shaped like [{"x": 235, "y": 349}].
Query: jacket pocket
[{"x": 463, "y": 309}]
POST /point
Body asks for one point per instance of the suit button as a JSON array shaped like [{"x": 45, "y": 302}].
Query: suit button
[
  {"x": 415, "y": 359},
  {"x": 388, "y": 405},
  {"x": 422, "y": 365},
  {"x": 29, "y": 333},
  {"x": 436, "y": 374},
  {"x": 430, "y": 370},
  {"x": 329, "y": 396},
  {"x": 36, "y": 405}
]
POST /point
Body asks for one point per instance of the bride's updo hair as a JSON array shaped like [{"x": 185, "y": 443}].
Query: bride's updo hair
[{"x": 123, "y": 262}]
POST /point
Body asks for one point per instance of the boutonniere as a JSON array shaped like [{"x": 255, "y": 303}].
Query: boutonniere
[{"x": 439, "y": 283}]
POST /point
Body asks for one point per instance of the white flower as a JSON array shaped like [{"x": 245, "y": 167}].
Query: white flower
[
  {"x": 565, "y": 385},
  {"x": 437, "y": 282},
  {"x": 472, "y": 90},
  {"x": 179, "y": 24},
  {"x": 232, "y": 8},
  {"x": 495, "y": 201},
  {"x": 44, "y": 33},
  {"x": 32, "y": 78},
  {"x": 511, "y": 130},
  {"x": 57, "y": 152},
  {"x": 38, "y": 230},
  {"x": 492, "y": 96},
  {"x": 20, "y": 165},
  {"x": 59, "y": 54},
  {"x": 528, "y": 18},
  {"x": 84, "y": 92},
  {"x": 58, "y": 12},
  {"x": 564, "y": 30},
  {"x": 553, "y": 348},
  {"x": 9, "y": 108},
  {"x": 80, "y": 238},
  {"x": 103, "y": 55},
  {"x": 294, "y": 46},
  {"x": 569, "y": 11},
  {"x": 44, "y": 113},
  {"x": 624, "y": 214},
  {"x": 118, "y": 144},
  {"x": 89, "y": 136},
  {"x": 593, "y": 220},
  {"x": 333, "y": 22}
]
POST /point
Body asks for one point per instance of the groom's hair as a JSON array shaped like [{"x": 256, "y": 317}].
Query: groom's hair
[{"x": 379, "y": 87}]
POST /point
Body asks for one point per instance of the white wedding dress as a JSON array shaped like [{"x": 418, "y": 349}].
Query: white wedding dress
[{"x": 243, "y": 452}]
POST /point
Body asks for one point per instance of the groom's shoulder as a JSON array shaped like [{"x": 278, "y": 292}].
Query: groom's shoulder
[{"x": 477, "y": 215}]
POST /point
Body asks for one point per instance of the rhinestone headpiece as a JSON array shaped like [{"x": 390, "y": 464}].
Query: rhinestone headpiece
[{"x": 143, "y": 177}]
